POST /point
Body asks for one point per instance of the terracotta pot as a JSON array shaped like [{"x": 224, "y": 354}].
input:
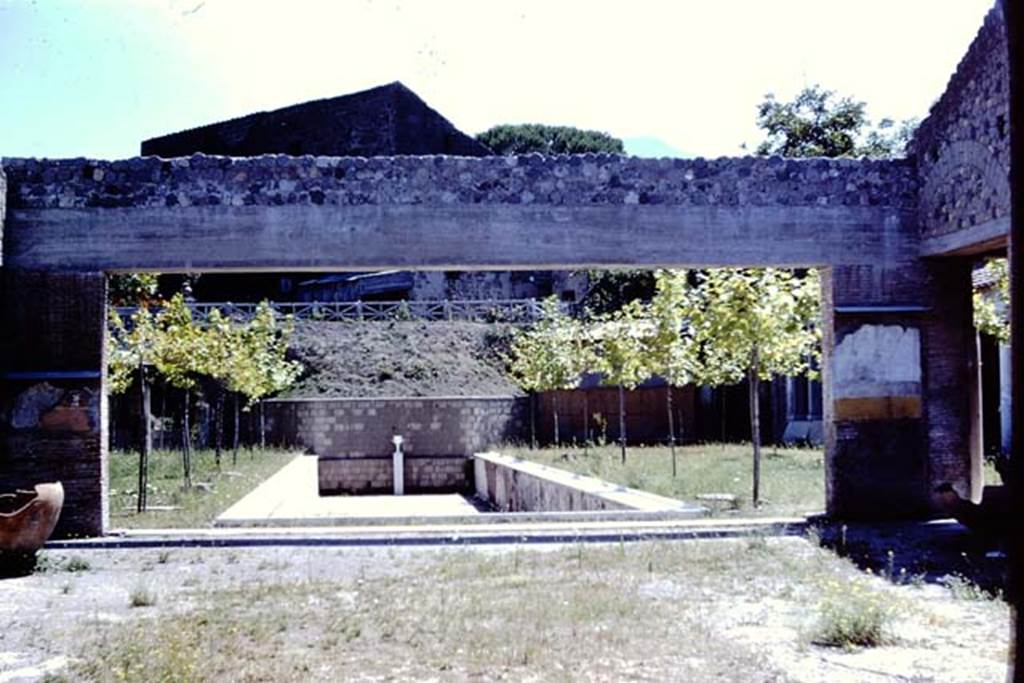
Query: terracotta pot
[{"x": 27, "y": 518}]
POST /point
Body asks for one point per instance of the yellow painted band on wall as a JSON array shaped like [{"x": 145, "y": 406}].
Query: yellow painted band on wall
[{"x": 878, "y": 408}]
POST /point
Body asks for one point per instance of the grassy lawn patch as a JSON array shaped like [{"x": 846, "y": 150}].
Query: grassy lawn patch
[
  {"x": 198, "y": 506},
  {"x": 792, "y": 479}
]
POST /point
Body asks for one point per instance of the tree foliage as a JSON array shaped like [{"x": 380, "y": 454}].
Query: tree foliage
[
  {"x": 132, "y": 289},
  {"x": 552, "y": 354},
  {"x": 820, "y": 123},
  {"x": 732, "y": 312},
  {"x": 510, "y": 139},
  {"x": 245, "y": 357},
  {"x": 991, "y": 301}
]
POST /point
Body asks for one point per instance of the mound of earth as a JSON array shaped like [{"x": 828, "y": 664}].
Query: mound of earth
[{"x": 393, "y": 359}]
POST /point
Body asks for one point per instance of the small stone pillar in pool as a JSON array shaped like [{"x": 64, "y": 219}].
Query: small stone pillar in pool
[{"x": 398, "y": 459}]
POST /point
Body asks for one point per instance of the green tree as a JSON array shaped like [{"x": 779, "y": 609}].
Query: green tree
[
  {"x": 180, "y": 363},
  {"x": 753, "y": 324},
  {"x": 820, "y": 123},
  {"x": 671, "y": 350},
  {"x": 991, "y": 301},
  {"x": 550, "y": 356},
  {"x": 132, "y": 351},
  {"x": 510, "y": 139},
  {"x": 132, "y": 289},
  {"x": 621, "y": 353}
]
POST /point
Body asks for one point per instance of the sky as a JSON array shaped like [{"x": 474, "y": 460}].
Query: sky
[{"x": 95, "y": 77}]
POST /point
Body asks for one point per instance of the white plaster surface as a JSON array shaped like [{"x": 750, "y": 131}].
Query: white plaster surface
[{"x": 877, "y": 361}]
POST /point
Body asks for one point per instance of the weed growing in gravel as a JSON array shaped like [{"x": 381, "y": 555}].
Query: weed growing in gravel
[
  {"x": 73, "y": 564},
  {"x": 142, "y": 596},
  {"x": 852, "y": 614},
  {"x": 963, "y": 588}
]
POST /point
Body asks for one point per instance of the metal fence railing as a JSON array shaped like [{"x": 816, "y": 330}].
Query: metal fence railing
[{"x": 500, "y": 310}]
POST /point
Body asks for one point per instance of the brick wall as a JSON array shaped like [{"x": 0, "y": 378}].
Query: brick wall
[
  {"x": 443, "y": 426},
  {"x": 339, "y": 475}
]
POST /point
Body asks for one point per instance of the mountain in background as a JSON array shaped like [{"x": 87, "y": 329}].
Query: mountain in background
[{"x": 651, "y": 148}]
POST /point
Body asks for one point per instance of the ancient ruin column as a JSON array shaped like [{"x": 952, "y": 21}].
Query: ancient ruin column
[
  {"x": 53, "y": 411},
  {"x": 898, "y": 355}
]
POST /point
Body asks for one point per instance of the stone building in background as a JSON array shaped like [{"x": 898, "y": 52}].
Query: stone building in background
[{"x": 389, "y": 120}]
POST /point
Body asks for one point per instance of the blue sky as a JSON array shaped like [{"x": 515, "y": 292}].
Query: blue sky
[{"x": 95, "y": 77}]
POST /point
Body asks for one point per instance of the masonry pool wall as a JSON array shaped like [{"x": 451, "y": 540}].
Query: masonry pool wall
[{"x": 352, "y": 437}]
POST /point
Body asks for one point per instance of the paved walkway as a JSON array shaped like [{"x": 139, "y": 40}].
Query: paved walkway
[{"x": 290, "y": 498}]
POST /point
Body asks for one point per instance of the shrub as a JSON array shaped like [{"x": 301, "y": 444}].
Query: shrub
[{"x": 852, "y": 614}]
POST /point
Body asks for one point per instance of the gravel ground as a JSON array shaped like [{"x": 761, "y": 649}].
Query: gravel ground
[{"x": 699, "y": 610}]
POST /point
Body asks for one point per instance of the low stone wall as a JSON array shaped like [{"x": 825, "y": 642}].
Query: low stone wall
[
  {"x": 515, "y": 485},
  {"x": 435, "y": 426},
  {"x": 442, "y": 474}
]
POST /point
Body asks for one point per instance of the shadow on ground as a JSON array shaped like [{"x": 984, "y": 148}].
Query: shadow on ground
[{"x": 938, "y": 551}]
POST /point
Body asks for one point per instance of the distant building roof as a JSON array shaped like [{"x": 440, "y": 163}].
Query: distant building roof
[{"x": 383, "y": 121}]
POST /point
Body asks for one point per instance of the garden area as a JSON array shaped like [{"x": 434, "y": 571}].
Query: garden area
[
  {"x": 170, "y": 504},
  {"x": 792, "y": 484}
]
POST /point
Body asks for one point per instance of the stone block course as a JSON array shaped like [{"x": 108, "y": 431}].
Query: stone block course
[{"x": 562, "y": 180}]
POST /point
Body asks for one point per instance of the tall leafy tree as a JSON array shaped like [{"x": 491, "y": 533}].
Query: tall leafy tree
[
  {"x": 621, "y": 353},
  {"x": 132, "y": 351},
  {"x": 752, "y": 324},
  {"x": 671, "y": 347},
  {"x": 526, "y": 138},
  {"x": 550, "y": 356},
  {"x": 180, "y": 363},
  {"x": 820, "y": 123}
]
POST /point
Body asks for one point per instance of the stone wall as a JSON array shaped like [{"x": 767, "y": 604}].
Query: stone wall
[
  {"x": 363, "y": 427},
  {"x": 962, "y": 149},
  {"x": 344, "y": 475},
  {"x": 514, "y": 485},
  {"x": 588, "y": 179}
]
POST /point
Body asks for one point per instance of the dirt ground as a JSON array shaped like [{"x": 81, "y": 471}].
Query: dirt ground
[{"x": 722, "y": 610}]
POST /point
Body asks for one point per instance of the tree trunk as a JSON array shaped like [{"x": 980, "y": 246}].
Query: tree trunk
[
  {"x": 533, "y": 420},
  {"x": 586, "y": 423},
  {"x": 186, "y": 441},
  {"x": 755, "y": 421},
  {"x": 263, "y": 428},
  {"x": 554, "y": 410},
  {"x": 146, "y": 439},
  {"x": 721, "y": 392},
  {"x": 622, "y": 422},
  {"x": 235, "y": 436},
  {"x": 218, "y": 426},
  {"x": 671, "y": 427}
]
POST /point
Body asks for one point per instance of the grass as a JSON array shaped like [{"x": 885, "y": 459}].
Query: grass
[
  {"x": 193, "y": 508},
  {"x": 792, "y": 479},
  {"x": 580, "y": 612}
]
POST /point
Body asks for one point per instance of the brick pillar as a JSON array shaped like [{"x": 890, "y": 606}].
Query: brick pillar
[
  {"x": 898, "y": 356},
  {"x": 53, "y": 411}
]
